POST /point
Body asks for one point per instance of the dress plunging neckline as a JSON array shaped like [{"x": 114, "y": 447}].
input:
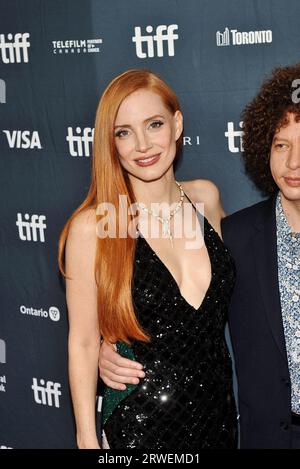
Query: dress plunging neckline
[{"x": 206, "y": 225}]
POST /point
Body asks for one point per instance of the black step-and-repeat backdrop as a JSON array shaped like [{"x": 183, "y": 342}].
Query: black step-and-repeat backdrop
[{"x": 56, "y": 58}]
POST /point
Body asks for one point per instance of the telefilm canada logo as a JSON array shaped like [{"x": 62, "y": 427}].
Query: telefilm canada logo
[
  {"x": 14, "y": 48},
  {"x": 233, "y": 37},
  {"x": 77, "y": 46}
]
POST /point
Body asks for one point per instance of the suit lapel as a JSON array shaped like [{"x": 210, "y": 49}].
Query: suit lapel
[{"x": 264, "y": 244}]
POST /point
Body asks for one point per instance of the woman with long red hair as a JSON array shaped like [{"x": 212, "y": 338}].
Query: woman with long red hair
[{"x": 161, "y": 298}]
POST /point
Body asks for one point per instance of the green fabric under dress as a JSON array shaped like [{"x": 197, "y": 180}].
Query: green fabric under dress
[{"x": 112, "y": 397}]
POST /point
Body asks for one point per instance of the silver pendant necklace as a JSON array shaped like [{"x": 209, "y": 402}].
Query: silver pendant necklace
[{"x": 165, "y": 221}]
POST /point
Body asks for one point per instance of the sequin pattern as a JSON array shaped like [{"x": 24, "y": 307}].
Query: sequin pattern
[
  {"x": 186, "y": 399},
  {"x": 288, "y": 247}
]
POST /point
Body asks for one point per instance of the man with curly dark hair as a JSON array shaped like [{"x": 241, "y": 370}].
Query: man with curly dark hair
[{"x": 265, "y": 242}]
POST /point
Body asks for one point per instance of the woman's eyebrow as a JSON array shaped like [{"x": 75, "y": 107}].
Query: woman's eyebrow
[{"x": 146, "y": 120}]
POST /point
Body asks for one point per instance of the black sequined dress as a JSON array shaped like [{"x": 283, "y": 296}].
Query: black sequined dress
[{"x": 186, "y": 400}]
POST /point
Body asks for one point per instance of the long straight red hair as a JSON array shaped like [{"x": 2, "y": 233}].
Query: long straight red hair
[{"x": 113, "y": 268}]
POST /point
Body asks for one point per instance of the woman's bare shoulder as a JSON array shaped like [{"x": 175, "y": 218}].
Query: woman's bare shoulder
[
  {"x": 84, "y": 225},
  {"x": 206, "y": 192},
  {"x": 81, "y": 246},
  {"x": 202, "y": 190}
]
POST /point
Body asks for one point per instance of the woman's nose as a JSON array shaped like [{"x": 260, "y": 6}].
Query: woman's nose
[{"x": 142, "y": 142}]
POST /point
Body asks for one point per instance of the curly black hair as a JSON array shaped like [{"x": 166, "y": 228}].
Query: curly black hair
[{"x": 264, "y": 116}]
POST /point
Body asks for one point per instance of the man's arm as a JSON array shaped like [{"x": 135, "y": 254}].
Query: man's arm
[{"x": 117, "y": 371}]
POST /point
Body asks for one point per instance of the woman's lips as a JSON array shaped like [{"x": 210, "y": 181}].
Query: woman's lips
[
  {"x": 293, "y": 182},
  {"x": 147, "y": 161}
]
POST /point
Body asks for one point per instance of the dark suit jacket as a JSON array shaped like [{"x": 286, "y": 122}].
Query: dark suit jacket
[{"x": 256, "y": 328}]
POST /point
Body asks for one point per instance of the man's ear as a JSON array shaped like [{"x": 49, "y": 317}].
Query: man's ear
[{"x": 178, "y": 118}]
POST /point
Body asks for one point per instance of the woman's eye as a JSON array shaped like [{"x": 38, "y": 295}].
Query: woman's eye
[
  {"x": 156, "y": 124},
  {"x": 121, "y": 133}
]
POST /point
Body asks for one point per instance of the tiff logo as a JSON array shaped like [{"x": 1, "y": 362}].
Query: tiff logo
[
  {"x": 23, "y": 139},
  {"x": 2, "y": 351},
  {"x": 28, "y": 230},
  {"x": 232, "y": 135},
  {"x": 2, "y": 92},
  {"x": 46, "y": 393},
  {"x": 79, "y": 145},
  {"x": 163, "y": 34},
  {"x": 15, "y": 48}
]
